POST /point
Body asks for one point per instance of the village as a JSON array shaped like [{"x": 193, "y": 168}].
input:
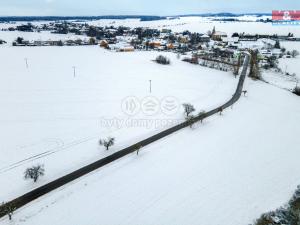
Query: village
[{"x": 214, "y": 49}]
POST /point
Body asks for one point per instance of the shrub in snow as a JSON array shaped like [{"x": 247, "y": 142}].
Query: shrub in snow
[
  {"x": 19, "y": 40},
  {"x": 107, "y": 143},
  {"x": 7, "y": 209},
  {"x": 294, "y": 53},
  {"x": 277, "y": 44},
  {"x": 272, "y": 62},
  {"x": 290, "y": 215},
  {"x": 294, "y": 203},
  {"x": 188, "y": 109},
  {"x": 162, "y": 60},
  {"x": 34, "y": 172},
  {"x": 277, "y": 217},
  {"x": 92, "y": 41},
  {"x": 297, "y": 91}
]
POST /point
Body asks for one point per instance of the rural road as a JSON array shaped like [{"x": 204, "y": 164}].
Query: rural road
[{"x": 36, "y": 193}]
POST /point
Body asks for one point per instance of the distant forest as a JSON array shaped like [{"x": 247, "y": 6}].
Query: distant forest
[
  {"x": 56, "y": 18},
  {"x": 141, "y": 17}
]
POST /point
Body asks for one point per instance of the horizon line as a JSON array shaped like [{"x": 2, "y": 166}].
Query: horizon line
[{"x": 138, "y": 15}]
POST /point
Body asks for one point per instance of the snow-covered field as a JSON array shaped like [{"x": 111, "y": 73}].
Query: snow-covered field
[
  {"x": 50, "y": 117},
  {"x": 11, "y": 36},
  {"x": 227, "y": 171},
  {"x": 202, "y": 25}
]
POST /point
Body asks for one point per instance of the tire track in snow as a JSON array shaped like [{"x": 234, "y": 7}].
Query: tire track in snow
[{"x": 45, "y": 154}]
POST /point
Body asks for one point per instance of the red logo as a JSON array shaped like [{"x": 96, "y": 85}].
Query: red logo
[{"x": 286, "y": 15}]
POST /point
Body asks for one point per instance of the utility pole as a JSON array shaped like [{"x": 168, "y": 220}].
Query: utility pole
[
  {"x": 285, "y": 69},
  {"x": 26, "y": 62},
  {"x": 150, "y": 82},
  {"x": 74, "y": 71}
]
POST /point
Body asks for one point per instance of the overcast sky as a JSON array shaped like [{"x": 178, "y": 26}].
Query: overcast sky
[{"x": 141, "y": 7}]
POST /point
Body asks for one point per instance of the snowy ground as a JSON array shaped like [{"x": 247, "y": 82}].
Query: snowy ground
[
  {"x": 11, "y": 36},
  {"x": 227, "y": 171},
  {"x": 50, "y": 117}
]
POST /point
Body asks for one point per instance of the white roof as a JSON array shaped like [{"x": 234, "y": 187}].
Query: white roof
[
  {"x": 220, "y": 33},
  {"x": 205, "y": 36},
  {"x": 230, "y": 39}
]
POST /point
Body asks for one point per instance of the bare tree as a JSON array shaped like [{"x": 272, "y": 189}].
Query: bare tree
[
  {"x": 245, "y": 92},
  {"x": 34, "y": 172},
  {"x": 7, "y": 209},
  {"x": 201, "y": 114},
  {"x": 221, "y": 110},
  {"x": 188, "y": 109},
  {"x": 138, "y": 148},
  {"x": 107, "y": 143}
]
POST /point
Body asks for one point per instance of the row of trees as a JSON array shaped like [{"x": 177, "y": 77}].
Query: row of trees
[{"x": 189, "y": 117}]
